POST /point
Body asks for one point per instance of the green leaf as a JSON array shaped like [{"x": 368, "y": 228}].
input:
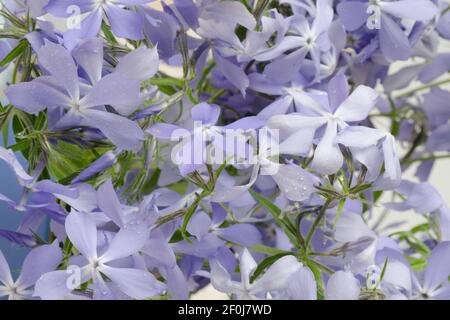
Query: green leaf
[
  {"x": 383, "y": 271},
  {"x": 190, "y": 212},
  {"x": 266, "y": 249},
  {"x": 285, "y": 224},
  {"x": 67, "y": 159},
  {"x": 418, "y": 264},
  {"x": 18, "y": 129},
  {"x": 414, "y": 242},
  {"x": 176, "y": 237},
  {"x": 14, "y": 53},
  {"x": 20, "y": 145},
  {"x": 179, "y": 187},
  {"x": 421, "y": 228},
  {"x": 267, "y": 262},
  {"x": 107, "y": 33},
  {"x": 151, "y": 183},
  {"x": 340, "y": 209},
  {"x": 167, "y": 82},
  {"x": 318, "y": 277},
  {"x": 5, "y": 119}
]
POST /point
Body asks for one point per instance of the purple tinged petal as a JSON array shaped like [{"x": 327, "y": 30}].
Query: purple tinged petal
[
  {"x": 279, "y": 106},
  {"x": 125, "y": 23},
  {"x": 140, "y": 64},
  {"x": 164, "y": 130},
  {"x": 10, "y": 159},
  {"x": 59, "y": 8},
  {"x": 89, "y": 28},
  {"x": 58, "y": 61},
  {"x": 41, "y": 260},
  {"x": 52, "y": 285},
  {"x": 199, "y": 224},
  {"x": 232, "y": 73},
  {"x": 7, "y": 200},
  {"x": 244, "y": 234},
  {"x": 138, "y": 284},
  {"x": 18, "y": 238},
  {"x": 114, "y": 89},
  {"x": 89, "y": 55},
  {"x": 438, "y": 267},
  {"x": 126, "y": 242},
  {"x": 286, "y": 68},
  {"x": 371, "y": 158},
  {"x": 82, "y": 232},
  {"x": 398, "y": 275},
  {"x": 246, "y": 123},
  {"x": 35, "y": 96},
  {"x": 206, "y": 247},
  {"x": 224, "y": 193},
  {"x": 219, "y": 214},
  {"x": 260, "y": 83},
  {"x": 288, "y": 43},
  {"x": 229, "y": 12},
  {"x": 221, "y": 279},
  {"x": 419, "y": 10},
  {"x": 189, "y": 11},
  {"x": 109, "y": 203},
  {"x": 423, "y": 197},
  {"x": 177, "y": 284},
  {"x": 107, "y": 160},
  {"x": 424, "y": 169},
  {"x": 5, "y": 272},
  {"x": 207, "y": 114},
  {"x": 352, "y": 13},
  {"x": 359, "y": 136},
  {"x": 134, "y": 2},
  {"x": 159, "y": 249},
  {"x": 442, "y": 293},
  {"x": 302, "y": 285},
  {"x": 49, "y": 186},
  {"x": 358, "y": 105},
  {"x": 185, "y": 169},
  {"x": 247, "y": 265},
  {"x": 443, "y": 25},
  {"x": 36, "y": 7},
  {"x": 294, "y": 182},
  {"x": 323, "y": 18},
  {"x": 291, "y": 123},
  {"x": 161, "y": 28},
  {"x": 438, "y": 140},
  {"x": 85, "y": 202},
  {"x": 298, "y": 143},
  {"x": 403, "y": 78},
  {"x": 123, "y": 132},
  {"x": 393, "y": 42},
  {"x": 392, "y": 167},
  {"x": 444, "y": 222},
  {"x": 351, "y": 227},
  {"x": 101, "y": 290},
  {"x": 277, "y": 275},
  {"x": 337, "y": 90},
  {"x": 438, "y": 66},
  {"x": 328, "y": 158},
  {"x": 342, "y": 285}
]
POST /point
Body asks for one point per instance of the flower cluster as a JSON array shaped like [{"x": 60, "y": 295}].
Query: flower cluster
[{"x": 258, "y": 147}]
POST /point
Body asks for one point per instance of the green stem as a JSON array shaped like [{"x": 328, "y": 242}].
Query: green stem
[
  {"x": 432, "y": 157},
  {"x": 317, "y": 221},
  {"x": 321, "y": 266},
  {"x": 421, "y": 88},
  {"x": 216, "y": 95}
]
